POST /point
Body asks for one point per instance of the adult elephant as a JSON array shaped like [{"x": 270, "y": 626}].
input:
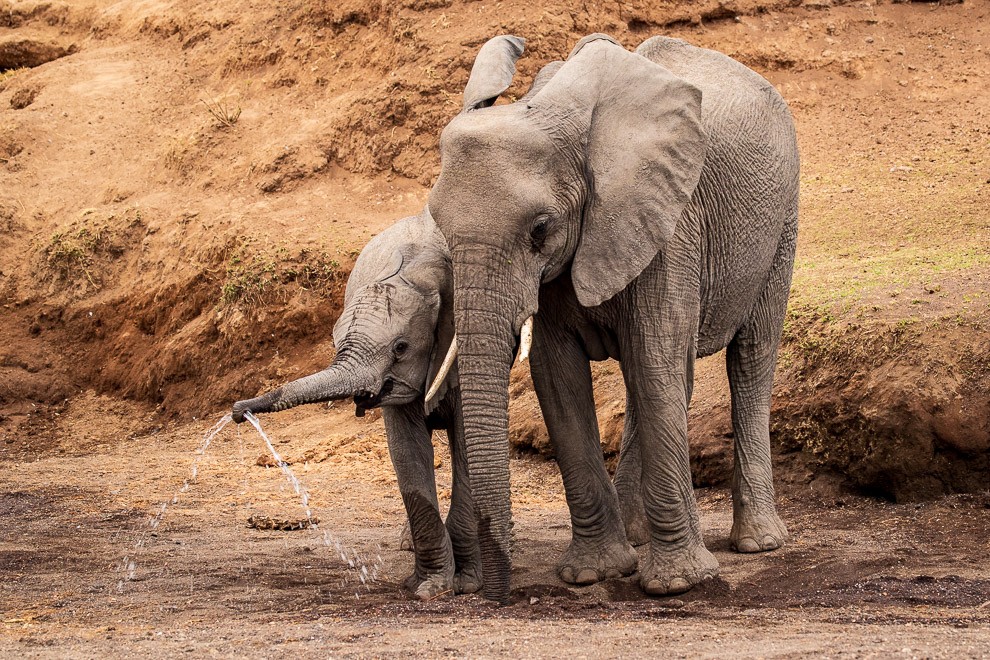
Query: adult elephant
[{"x": 646, "y": 205}]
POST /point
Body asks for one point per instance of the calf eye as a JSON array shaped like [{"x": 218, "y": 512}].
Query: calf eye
[
  {"x": 400, "y": 347},
  {"x": 538, "y": 234}
]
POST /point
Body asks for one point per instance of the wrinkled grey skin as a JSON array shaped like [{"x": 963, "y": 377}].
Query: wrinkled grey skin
[
  {"x": 646, "y": 206},
  {"x": 395, "y": 329}
]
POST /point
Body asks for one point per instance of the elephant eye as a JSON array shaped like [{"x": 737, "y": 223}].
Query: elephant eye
[
  {"x": 538, "y": 234},
  {"x": 400, "y": 347}
]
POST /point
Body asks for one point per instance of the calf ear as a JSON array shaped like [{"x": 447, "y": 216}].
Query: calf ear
[
  {"x": 541, "y": 79},
  {"x": 492, "y": 71},
  {"x": 379, "y": 261}
]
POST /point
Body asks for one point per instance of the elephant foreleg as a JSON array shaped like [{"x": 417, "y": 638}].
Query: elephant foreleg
[
  {"x": 659, "y": 383},
  {"x": 411, "y": 450},
  {"x": 562, "y": 378},
  {"x": 628, "y": 477}
]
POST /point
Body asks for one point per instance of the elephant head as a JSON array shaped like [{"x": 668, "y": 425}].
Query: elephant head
[
  {"x": 396, "y": 323},
  {"x": 588, "y": 176}
]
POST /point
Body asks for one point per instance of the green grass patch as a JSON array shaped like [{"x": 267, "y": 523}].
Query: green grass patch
[
  {"x": 874, "y": 230},
  {"x": 255, "y": 277},
  {"x": 78, "y": 252}
]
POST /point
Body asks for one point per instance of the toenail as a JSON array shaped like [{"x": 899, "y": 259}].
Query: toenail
[
  {"x": 587, "y": 576},
  {"x": 747, "y": 544}
]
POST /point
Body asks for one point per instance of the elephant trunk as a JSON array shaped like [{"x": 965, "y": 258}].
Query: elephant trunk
[
  {"x": 486, "y": 344},
  {"x": 340, "y": 380}
]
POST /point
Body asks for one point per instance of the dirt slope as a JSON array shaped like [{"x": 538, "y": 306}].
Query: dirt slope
[{"x": 186, "y": 186}]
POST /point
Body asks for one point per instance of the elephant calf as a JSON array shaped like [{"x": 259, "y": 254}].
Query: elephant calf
[{"x": 390, "y": 338}]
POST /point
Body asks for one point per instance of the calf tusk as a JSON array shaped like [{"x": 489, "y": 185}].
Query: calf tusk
[
  {"x": 526, "y": 339},
  {"x": 448, "y": 362}
]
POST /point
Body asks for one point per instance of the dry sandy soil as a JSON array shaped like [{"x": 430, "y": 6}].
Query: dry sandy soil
[{"x": 184, "y": 188}]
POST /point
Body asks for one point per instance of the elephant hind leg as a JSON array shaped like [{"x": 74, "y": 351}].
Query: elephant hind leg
[
  {"x": 756, "y": 526},
  {"x": 628, "y": 481},
  {"x": 750, "y": 361}
]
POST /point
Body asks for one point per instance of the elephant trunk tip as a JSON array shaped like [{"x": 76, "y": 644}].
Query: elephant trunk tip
[
  {"x": 271, "y": 402},
  {"x": 237, "y": 413}
]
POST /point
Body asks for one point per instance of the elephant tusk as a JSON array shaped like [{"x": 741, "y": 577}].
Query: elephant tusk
[
  {"x": 448, "y": 362},
  {"x": 525, "y": 339}
]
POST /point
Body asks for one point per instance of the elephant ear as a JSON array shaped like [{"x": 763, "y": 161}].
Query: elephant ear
[
  {"x": 644, "y": 149},
  {"x": 492, "y": 71},
  {"x": 380, "y": 259},
  {"x": 541, "y": 79}
]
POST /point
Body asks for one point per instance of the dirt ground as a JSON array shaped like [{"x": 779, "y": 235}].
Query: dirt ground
[
  {"x": 860, "y": 577},
  {"x": 183, "y": 188}
]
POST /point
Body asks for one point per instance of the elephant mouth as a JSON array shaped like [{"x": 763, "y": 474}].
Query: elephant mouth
[{"x": 366, "y": 400}]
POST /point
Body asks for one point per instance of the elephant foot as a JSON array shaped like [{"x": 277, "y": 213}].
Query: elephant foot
[
  {"x": 431, "y": 585},
  {"x": 585, "y": 563},
  {"x": 406, "y": 539},
  {"x": 756, "y": 532},
  {"x": 668, "y": 572},
  {"x": 467, "y": 580}
]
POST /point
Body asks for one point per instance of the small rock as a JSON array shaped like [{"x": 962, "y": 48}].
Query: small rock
[
  {"x": 281, "y": 524},
  {"x": 533, "y": 600},
  {"x": 265, "y": 460},
  {"x": 869, "y": 40}
]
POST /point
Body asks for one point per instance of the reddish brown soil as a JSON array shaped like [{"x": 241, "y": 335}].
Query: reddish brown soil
[{"x": 184, "y": 187}]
